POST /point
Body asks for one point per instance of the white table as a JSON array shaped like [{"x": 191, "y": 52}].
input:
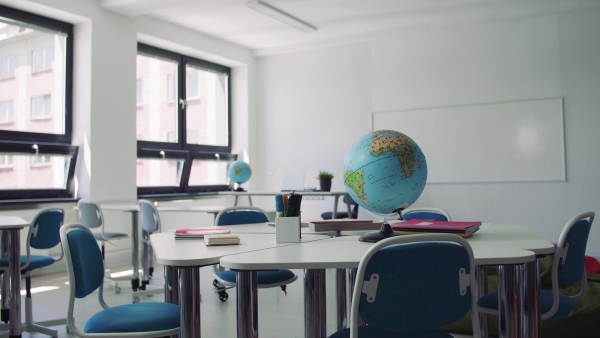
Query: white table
[
  {"x": 187, "y": 256},
  {"x": 492, "y": 245},
  {"x": 11, "y": 246},
  {"x": 134, "y": 209},
  {"x": 335, "y": 194}
]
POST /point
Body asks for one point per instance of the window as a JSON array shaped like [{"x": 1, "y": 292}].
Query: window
[
  {"x": 42, "y": 59},
  {"x": 37, "y": 160},
  {"x": 139, "y": 93},
  {"x": 7, "y": 67},
  {"x": 183, "y": 125},
  {"x": 7, "y": 113}
]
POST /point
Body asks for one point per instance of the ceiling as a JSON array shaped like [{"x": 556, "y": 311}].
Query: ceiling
[{"x": 337, "y": 21}]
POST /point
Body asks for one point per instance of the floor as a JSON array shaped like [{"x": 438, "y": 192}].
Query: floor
[{"x": 280, "y": 315}]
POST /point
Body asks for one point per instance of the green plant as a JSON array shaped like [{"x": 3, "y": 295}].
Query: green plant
[{"x": 324, "y": 175}]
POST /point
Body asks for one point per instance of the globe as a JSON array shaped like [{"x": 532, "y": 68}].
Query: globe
[
  {"x": 239, "y": 172},
  {"x": 385, "y": 171}
]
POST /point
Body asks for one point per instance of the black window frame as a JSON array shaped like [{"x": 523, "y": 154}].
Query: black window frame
[
  {"x": 22, "y": 142},
  {"x": 153, "y": 149}
]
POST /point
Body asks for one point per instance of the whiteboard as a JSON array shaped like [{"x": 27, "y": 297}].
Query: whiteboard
[{"x": 515, "y": 141}]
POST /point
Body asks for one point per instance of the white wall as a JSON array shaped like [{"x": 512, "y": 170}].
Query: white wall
[{"x": 324, "y": 97}]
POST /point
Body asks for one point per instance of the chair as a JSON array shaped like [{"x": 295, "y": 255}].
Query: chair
[
  {"x": 431, "y": 214},
  {"x": 44, "y": 234},
  {"x": 568, "y": 267},
  {"x": 430, "y": 284},
  {"x": 343, "y": 214},
  {"x": 91, "y": 216},
  {"x": 85, "y": 267},
  {"x": 150, "y": 224},
  {"x": 266, "y": 279}
]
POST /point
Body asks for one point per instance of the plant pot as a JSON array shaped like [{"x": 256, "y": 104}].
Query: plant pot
[{"x": 325, "y": 185}]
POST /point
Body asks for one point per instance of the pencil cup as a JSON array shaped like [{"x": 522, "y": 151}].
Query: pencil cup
[{"x": 287, "y": 229}]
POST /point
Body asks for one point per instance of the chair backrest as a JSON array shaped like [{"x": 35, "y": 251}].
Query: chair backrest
[
  {"x": 429, "y": 285},
  {"x": 84, "y": 260},
  {"x": 150, "y": 218},
  {"x": 430, "y": 214},
  {"x": 241, "y": 215},
  {"x": 44, "y": 232},
  {"x": 90, "y": 214}
]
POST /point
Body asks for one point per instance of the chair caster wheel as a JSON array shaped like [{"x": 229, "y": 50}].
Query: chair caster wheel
[
  {"x": 117, "y": 290},
  {"x": 136, "y": 300},
  {"x": 215, "y": 283},
  {"x": 68, "y": 329},
  {"x": 223, "y": 296}
]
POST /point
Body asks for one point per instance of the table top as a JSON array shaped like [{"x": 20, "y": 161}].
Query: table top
[
  {"x": 12, "y": 222},
  {"x": 132, "y": 207},
  {"x": 193, "y": 252},
  {"x": 347, "y": 251},
  {"x": 272, "y": 193},
  {"x": 265, "y": 228}
]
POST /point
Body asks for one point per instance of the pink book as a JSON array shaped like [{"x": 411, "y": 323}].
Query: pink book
[
  {"x": 200, "y": 232},
  {"x": 436, "y": 226}
]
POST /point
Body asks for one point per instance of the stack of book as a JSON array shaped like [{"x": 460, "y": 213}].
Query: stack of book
[
  {"x": 417, "y": 226},
  {"x": 221, "y": 239},
  {"x": 199, "y": 232}
]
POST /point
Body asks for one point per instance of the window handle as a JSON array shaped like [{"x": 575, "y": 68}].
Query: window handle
[{"x": 182, "y": 103}]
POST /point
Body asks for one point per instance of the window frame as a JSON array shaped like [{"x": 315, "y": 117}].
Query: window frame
[
  {"x": 152, "y": 149},
  {"x": 24, "y": 142}
]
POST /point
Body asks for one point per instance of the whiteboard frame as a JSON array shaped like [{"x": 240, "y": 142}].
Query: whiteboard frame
[{"x": 563, "y": 174}]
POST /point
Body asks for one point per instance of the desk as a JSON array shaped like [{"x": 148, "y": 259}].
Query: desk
[
  {"x": 510, "y": 246},
  {"x": 336, "y": 196},
  {"x": 134, "y": 209},
  {"x": 11, "y": 246},
  {"x": 187, "y": 256}
]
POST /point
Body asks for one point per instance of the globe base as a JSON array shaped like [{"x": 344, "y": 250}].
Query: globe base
[{"x": 383, "y": 233}]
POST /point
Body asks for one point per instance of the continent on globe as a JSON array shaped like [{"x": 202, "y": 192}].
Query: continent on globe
[{"x": 385, "y": 171}]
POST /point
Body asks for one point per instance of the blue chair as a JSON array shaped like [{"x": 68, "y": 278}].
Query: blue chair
[
  {"x": 410, "y": 286},
  {"x": 343, "y": 214},
  {"x": 85, "y": 268},
  {"x": 430, "y": 214},
  {"x": 150, "y": 224},
  {"x": 568, "y": 267},
  {"x": 266, "y": 279},
  {"x": 44, "y": 234},
  {"x": 90, "y": 214}
]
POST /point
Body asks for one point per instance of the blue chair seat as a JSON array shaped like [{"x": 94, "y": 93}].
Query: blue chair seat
[
  {"x": 566, "y": 303},
  {"x": 369, "y": 332},
  {"x": 265, "y": 278},
  {"x": 140, "y": 317},
  {"x": 35, "y": 262}
]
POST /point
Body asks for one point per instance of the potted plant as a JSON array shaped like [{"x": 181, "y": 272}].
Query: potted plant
[{"x": 324, "y": 178}]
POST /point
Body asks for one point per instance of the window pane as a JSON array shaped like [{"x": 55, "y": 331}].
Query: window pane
[
  {"x": 6, "y": 112},
  {"x": 24, "y": 171},
  {"x": 158, "y": 172},
  {"x": 207, "y": 116},
  {"x": 32, "y": 69},
  {"x": 157, "y": 113},
  {"x": 208, "y": 173}
]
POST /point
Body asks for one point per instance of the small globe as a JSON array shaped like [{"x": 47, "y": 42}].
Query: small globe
[
  {"x": 384, "y": 171},
  {"x": 239, "y": 172}
]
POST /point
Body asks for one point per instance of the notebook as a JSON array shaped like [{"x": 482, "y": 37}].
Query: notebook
[
  {"x": 199, "y": 232},
  {"x": 420, "y": 225},
  {"x": 221, "y": 239}
]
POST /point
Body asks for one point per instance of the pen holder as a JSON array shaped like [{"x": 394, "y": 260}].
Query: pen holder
[{"x": 287, "y": 229}]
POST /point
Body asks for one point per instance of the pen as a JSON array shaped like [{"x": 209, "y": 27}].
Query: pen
[
  {"x": 278, "y": 205},
  {"x": 285, "y": 203}
]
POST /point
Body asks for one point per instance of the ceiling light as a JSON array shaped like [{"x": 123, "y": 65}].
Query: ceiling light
[{"x": 280, "y": 15}]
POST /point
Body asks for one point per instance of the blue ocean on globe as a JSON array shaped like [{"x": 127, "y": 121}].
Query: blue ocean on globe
[
  {"x": 239, "y": 172},
  {"x": 384, "y": 171}
]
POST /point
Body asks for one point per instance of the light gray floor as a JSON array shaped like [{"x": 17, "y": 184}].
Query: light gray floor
[{"x": 280, "y": 315}]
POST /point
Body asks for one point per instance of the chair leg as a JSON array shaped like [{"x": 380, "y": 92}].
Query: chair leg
[
  {"x": 41, "y": 327},
  {"x": 108, "y": 280}
]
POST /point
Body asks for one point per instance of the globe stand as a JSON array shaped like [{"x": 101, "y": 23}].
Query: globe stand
[
  {"x": 384, "y": 232},
  {"x": 239, "y": 188}
]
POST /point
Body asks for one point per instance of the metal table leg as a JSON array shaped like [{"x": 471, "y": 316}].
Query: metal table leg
[
  {"x": 14, "y": 259},
  {"x": 511, "y": 300},
  {"x": 189, "y": 301},
  {"x": 247, "y": 304},
  {"x": 315, "y": 323},
  {"x": 533, "y": 317},
  {"x": 482, "y": 289},
  {"x": 135, "y": 233},
  {"x": 5, "y": 290},
  {"x": 341, "y": 296}
]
